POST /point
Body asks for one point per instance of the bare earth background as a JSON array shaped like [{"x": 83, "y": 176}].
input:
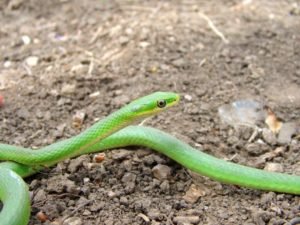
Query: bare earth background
[{"x": 60, "y": 58}]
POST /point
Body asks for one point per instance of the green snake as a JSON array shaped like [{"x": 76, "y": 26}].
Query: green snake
[{"x": 115, "y": 131}]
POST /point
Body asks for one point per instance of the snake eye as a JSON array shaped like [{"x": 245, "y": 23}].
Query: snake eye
[{"x": 161, "y": 103}]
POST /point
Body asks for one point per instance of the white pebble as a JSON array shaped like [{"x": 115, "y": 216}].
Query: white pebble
[
  {"x": 188, "y": 97},
  {"x": 7, "y": 64},
  {"x": 32, "y": 60},
  {"x": 26, "y": 39}
]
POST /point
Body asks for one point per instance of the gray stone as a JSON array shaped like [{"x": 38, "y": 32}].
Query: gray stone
[
  {"x": 269, "y": 136},
  {"x": 40, "y": 196},
  {"x": 194, "y": 193},
  {"x": 73, "y": 221},
  {"x": 121, "y": 154},
  {"x": 186, "y": 219},
  {"x": 76, "y": 163},
  {"x": 161, "y": 172},
  {"x": 274, "y": 167},
  {"x": 128, "y": 177}
]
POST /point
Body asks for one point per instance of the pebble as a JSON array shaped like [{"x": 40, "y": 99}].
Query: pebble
[
  {"x": 86, "y": 180},
  {"x": 124, "y": 200},
  {"x": 40, "y": 196},
  {"x": 26, "y": 40},
  {"x": 188, "y": 97},
  {"x": 256, "y": 149},
  {"x": 97, "y": 206},
  {"x": 180, "y": 220},
  {"x": 286, "y": 132},
  {"x": 98, "y": 158},
  {"x": 165, "y": 186},
  {"x": 154, "y": 214},
  {"x": 79, "y": 69},
  {"x": 111, "y": 194},
  {"x": 78, "y": 119},
  {"x": 7, "y": 64},
  {"x": 161, "y": 172},
  {"x": 178, "y": 62},
  {"x": 23, "y": 113},
  {"x": 121, "y": 154},
  {"x": 60, "y": 183},
  {"x": 32, "y": 61},
  {"x": 41, "y": 216},
  {"x": 73, "y": 221},
  {"x": 76, "y": 163},
  {"x": 68, "y": 89},
  {"x": 269, "y": 136},
  {"x": 94, "y": 95},
  {"x": 193, "y": 194},
  {"x": 128, "y": 177},
  {"x": 144, "y": 217},
  {"x": 274, "y": 167},
  {"x": 267, "y": 198},
  {"x": 153, "y": 159},
  {"x": 144, "y": 44}
]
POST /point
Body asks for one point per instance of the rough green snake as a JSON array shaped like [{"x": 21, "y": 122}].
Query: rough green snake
[{"x": 110, "y": 133}]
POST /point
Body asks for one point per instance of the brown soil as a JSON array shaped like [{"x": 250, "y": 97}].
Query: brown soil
[{"x": 127, "y": 49}]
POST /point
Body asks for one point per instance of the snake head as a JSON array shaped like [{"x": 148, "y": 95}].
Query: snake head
[{"x": 153, "y": 104}]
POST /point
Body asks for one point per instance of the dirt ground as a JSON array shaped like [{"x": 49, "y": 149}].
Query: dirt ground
[{"x": 61, "y": 58}]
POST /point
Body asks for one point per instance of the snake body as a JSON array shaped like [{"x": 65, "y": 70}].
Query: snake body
[{"x": 106, "y": 134}]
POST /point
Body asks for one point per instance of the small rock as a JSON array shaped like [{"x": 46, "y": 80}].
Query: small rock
[
  {"x": 94, "y": 95},
  {"x": 143, "y": 152},
  {"x": 120, "y": 101},
  {"x": 124, "y": 200},
  {"x": 68, "y": 89},
  {"x": 144, "y": 44},
  {"x": 154, "y": 214},
  {"x": 40, "y": 196},
  {"x": 193, "y": 194},
  {"x": 61, "y": 183},
  {"x": 161, "y": 172},
  {"x": 23, "y": 113},
  {"x": 181, "y": 220},
  {"x": 78, "y": 119},
  {"x": 128, "y": 177},
  {"x": 233, "y": 140},
  {"x": 76, "y": 163},
  {"x": 26, "y": 40},
  {"x": 267, "y": 198},
  {"x": 124, "y": 40},
  {"x": 73, "y": 221},
  {"x": 130, "y": 186},
  {"x": 32, "y": 61},
  {"x": 269, "y": 136},
  {"x": 79, "y": 69},
  {"x": 188, "y": 97},
  {"x": 144, "y": 217},
  {"x": 153, "y": 159},
  {"x": 286, "y": 132},
  {"x": 111, "y": 194},
  {"x": 274, "y": 167},
  {"x": 7, "y": 64},
  {"x": 256, "y": 149},
  {"x": 121, "y": 154},
  {"x": 97, "y": 206},
  {"x": 86, "y": 180},
  {"x": 86, "y": 212},
  {"x": 41, "y": 216},
  {"x": 98, "y": 158},
  {"x": 165, "y": 186},
  {"x": 178, "y": 62}
]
